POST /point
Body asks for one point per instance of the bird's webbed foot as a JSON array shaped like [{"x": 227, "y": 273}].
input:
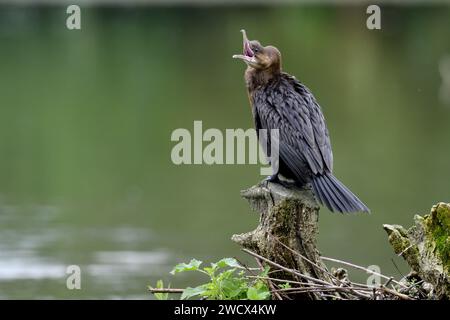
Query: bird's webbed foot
[{"x": 272, "y": 178}]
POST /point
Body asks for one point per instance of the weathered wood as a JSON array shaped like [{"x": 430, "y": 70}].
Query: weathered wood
[
  {"x": 287, "y": 231},
  {"x": 426, "y": 248}
]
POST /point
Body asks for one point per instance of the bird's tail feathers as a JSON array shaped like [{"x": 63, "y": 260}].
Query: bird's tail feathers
[{"x": 332, "y": 193}]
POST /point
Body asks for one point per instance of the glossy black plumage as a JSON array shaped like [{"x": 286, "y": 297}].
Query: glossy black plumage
[
  {"x": 305, "y": 150},
  {"x": 280, "y": 101}
]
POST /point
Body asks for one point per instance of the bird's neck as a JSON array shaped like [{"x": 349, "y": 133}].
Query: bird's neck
[{"x": 255, "y": 78}]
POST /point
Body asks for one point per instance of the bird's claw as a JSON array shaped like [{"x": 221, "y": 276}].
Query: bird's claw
[{"x": 272, "y": 178}]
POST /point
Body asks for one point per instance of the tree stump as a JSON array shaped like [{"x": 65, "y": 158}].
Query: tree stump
[
  {"x": 287, "y": 231},
  {"x": 426, "y": 248}
]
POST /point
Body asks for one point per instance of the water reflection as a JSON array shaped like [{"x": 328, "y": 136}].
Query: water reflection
[
  {"x": 25, "y": 255},
  {"x": 25, "y": 264},
  {"x": 86, "y": 119}
]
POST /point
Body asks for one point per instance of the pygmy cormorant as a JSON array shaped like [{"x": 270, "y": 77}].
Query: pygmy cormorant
[{"x": 280, "y": 101}]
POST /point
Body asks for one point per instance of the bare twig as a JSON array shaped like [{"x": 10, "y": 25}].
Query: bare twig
[
  {"x": 407, "y": 248},
  {"x": 388, "y": 282},
  {"x": 271, "y": 284},
  {"x": 397, "y": 294},
  {"x": 306, "y": 259},
  {"x": 310, "y": 262},
  {"x": 282, "y": 280},
  {"x": 165, "y": 290},
  {"x": 326, "y": 289},
  {"x": 245, "y": 267},
  {"x": 295, "y": 272},
  {"x": 397, "y": 268},
  {"x": 362, "y": 268}
]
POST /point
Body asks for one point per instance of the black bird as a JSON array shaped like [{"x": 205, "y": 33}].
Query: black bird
[{"x": 280, "y": 101}]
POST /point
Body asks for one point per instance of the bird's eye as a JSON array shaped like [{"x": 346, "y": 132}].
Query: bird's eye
[{"x": 255, "y": 49}]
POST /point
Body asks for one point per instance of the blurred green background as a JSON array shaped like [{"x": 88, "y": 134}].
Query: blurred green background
[{"x": 86, "y": 117}]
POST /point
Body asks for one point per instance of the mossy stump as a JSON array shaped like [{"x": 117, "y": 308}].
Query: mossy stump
[
  {"x": 288, "y": 220},
  {"x": 426, "y": 248}
]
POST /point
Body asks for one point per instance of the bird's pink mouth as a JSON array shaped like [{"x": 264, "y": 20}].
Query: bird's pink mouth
[{"x": 247, "y": 53}]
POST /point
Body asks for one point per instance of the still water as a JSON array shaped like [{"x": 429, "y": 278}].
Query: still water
[{"x": 86, "y": 117}]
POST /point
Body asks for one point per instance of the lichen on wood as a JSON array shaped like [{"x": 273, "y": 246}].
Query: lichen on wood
[
  {"x": 426, "y": 248},
  {"x": 285, "y": 240}
]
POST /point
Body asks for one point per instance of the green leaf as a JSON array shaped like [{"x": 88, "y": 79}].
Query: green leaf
[
  {"x": 265, "y": 272},
  {"x": 161, "y": 295},
  {"x": 255, "y": 294},
  {"x": 192, "y": 292},
  {"x": 286, "y": 285},
  {"x": 211, "y": 270},
  {"x": 233, "y": 288},
  {"x": 228, "y": 262},
  {"x": 182, "y": 267},
  {"x": 252, "y": 293},
  {"x": 229, "y": 284},
  {"x": 227, "y": 274}
]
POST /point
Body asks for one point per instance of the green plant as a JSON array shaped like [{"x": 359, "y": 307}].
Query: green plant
[
  {"x": 285, "y": 285},
  {"x": 159, "y": 295},
  {"x": 227, "y": 281}
]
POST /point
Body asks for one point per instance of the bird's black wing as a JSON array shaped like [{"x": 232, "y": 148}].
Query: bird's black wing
[
  {"x": 317, "y": 120},
  {"x": 304, "y": 146}
]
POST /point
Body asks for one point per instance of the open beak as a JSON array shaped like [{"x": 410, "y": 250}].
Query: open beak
[{"x": 247, "y": 54}]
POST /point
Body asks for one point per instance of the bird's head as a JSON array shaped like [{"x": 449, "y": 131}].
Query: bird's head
[{"x": 258, "y": 57}]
